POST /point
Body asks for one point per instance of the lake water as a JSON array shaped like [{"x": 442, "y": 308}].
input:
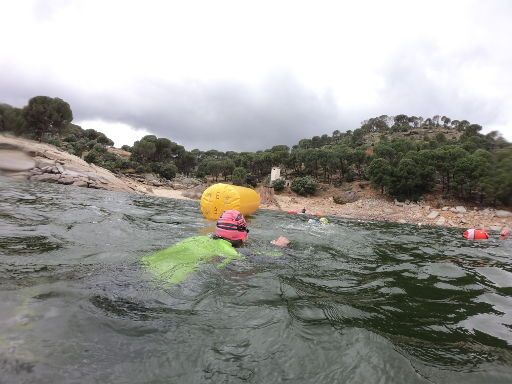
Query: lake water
[{"x": 350, "y": 302}]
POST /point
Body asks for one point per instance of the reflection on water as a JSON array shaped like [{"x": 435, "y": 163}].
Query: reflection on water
[{"x": 348, "y": 302}]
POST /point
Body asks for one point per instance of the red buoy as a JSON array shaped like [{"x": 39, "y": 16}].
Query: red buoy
[{"x": 476, "y": 234}]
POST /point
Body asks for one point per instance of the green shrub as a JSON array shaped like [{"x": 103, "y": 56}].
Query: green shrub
[
  {"x": 303, "y": 185},
  {"x": 100, "y": 148},
  {"x": 156, "y": 167},
  {"x": 239, "y": 176},
  {"x": 168, "y": 171},
  {"x": 349, "y": 176},
  {"x": 54, "y": 140},
  {"x": 251, "y": 180},
  {"x": 141, "y": 168},
  {"x": 92, "y": 157},
  {"x": 278, "y": 184}
]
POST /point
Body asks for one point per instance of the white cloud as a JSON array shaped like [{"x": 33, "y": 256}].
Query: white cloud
[{"x": 120, "y": 133}]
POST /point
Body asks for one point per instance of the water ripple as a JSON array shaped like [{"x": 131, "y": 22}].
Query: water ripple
[{"x": 352, "y": 302}]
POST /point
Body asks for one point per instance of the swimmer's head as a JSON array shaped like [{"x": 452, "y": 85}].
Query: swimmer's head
[
  {"x": 232, "y": 227},
  {"x": 323, "y": 220}
]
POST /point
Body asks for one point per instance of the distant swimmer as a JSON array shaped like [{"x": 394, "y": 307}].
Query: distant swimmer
[
  {"x": 322, "y": 220},
  {"x": 505, "y": 233}
]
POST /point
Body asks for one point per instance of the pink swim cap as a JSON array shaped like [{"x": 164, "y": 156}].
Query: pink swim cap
[{"x": 232, "y": 226}]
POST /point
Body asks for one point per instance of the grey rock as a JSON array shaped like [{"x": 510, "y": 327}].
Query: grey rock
[
  {"x": 502, "y": 213},
  {"x": 40, "y": 163},
  {"x": 345, "y": 197},
  {"x": 81, "y": 183},
  {"x": 445, "y": 208},
  {"x": 46, "y": 177},
  {"x": 432, "y": 215},
  {"x": 441, "y": 221},
  {"x": 69, "y": 173},
  {"x": 66, "y": 180},
  {"x": 59, "y": 167}
]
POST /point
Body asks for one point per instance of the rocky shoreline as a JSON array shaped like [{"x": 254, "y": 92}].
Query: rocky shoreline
[
  {"x": 378, "y": 208},
  {"x": 30, "y": 160}
]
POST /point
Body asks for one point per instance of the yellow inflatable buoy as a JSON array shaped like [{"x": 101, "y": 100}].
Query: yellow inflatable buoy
[{"x": 221, "y": 197}]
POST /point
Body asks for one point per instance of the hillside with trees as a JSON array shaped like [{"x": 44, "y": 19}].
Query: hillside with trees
[{"x": 403, "y": 156}]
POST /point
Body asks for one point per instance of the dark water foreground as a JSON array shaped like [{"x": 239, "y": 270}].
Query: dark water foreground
[{"x": 347, "y": 303}]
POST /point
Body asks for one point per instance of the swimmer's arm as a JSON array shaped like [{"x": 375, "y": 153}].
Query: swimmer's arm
[{"x": 281, "y": 241}]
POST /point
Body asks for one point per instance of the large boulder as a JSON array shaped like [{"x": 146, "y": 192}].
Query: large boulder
[
  {"x": 432, "y": 215},
  {"x": 345, "y": 197},
  {"x": 458, "y": 209}
]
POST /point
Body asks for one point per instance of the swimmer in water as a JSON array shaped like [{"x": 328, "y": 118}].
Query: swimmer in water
[{"x": 174, "y": 264}]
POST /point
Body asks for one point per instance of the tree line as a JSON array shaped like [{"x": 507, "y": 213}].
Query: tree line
[{"x": 404, "y": 156}]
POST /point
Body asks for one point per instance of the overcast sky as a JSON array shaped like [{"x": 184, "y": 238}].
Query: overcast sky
[{"x": 247, "y": 75}]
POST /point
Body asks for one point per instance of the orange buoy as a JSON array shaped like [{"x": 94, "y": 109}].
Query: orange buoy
[
  {"x": 476, "y": 234},
  {"x": 292, "y": 212}
]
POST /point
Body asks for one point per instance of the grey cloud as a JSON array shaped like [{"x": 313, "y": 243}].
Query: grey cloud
[
  {"x": 233, "y": 116},
  {"x": 224, "y": 116}
]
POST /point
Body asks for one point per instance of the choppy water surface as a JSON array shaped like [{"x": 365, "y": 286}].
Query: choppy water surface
[{"x": 346, "y": 303}]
